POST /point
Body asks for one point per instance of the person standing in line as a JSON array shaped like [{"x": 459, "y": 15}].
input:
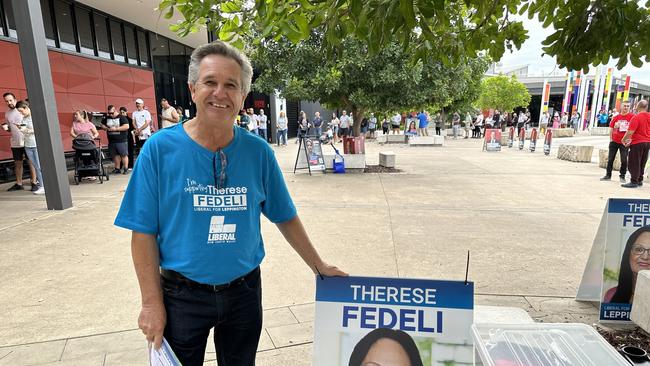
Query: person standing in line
[
  {"x": 199, "y": 270},
  {"x": 468, "y": 124},
  {"x": 496, "y": 119},
  {"x": 422, "y": 124},
  {"x": 455, "y": 125},
  {"x": 395, "y": 122},
  {"x": 81, "y": 125},
  {"x": 261, "y": 125},
  {"x": 27, "y": 128},
  {"x": 617, "y": 129},
  {"x": 637, "y": 138},
  {"x": 317, "y": 123},
  {"x": 244, "y": 119},
  {"x": 385, "y": 125},
  {"x": 141, "y": 123},
  {"x": 564, "y": 121},
  {"x": 17, "y": 141},
  {"x": 372, "y": 125},
  {"x": 575, "y": 121},
  {"x": 181, "y": 114},
  {"x": 253, "y": 125},
  {"x": 281, "y": 127},
  {"x": 303, "y": 125},
  {"x": 169, "y": 115},
  {"x": 478, "y": 124},
  {"x": 556, "y": 120},
  {"x": 344, "y": 121},
  {"x": 117, "y": 130},
  {"x": 334, "y": 124},
  {"x": 130, "y": 138},
  {"x": 439, "y": 121},
  {"x": 543, "y": 123}
]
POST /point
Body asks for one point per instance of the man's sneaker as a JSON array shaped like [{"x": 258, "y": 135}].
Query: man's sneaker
[
  {"x": 622, "y": 179},
  {"x": 116, "y": 171},
  {"x": 40, "y": 191},
  {"x": 35, "y": 187},
  {"x": 15, "y": 187},
  {"x": 640, "y": 184},
  {"x": 125, "y": 172},
  {"x": 630, "y": 185},
  {"x": 607, "y": 177}
]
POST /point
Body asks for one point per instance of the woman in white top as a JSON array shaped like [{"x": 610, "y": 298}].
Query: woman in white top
[
  {"x": 334, "y": 124},
  {"x": 281, "y": 126}
]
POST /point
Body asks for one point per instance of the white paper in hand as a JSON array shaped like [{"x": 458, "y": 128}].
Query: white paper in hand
[{"x": 163, "y": 356}]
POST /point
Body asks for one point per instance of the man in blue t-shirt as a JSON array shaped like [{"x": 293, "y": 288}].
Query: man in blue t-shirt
[
  {"x": 193, "y": 205},
  {"x": 423, "y": 124}
]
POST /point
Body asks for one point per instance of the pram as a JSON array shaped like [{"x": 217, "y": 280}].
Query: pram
[{"x": 88, "y": 159}]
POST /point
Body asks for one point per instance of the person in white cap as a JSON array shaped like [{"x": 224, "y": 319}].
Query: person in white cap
[{"x": 141, "y": 122}]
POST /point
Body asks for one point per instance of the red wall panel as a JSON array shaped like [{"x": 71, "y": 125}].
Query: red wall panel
[{"x": 79, "y": 83}]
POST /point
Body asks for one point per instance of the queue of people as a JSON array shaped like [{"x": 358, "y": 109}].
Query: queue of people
[{"x": 126, "y": 135}]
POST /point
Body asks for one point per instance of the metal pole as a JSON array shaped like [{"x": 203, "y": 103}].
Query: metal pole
[{"x": 38, "y": 79}]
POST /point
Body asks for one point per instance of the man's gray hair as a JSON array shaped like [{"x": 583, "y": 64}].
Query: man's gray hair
[{"x": 224, "y": 49}]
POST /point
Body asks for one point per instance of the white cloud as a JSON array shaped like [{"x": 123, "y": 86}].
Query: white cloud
[{"x": 531, "y": 54}]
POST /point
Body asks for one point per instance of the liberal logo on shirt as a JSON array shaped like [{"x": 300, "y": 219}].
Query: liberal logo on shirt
[{"x": 220, "y": 232}]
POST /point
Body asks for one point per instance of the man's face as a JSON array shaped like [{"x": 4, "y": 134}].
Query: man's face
[
  {"x": 139, "y": 106},
  {"x": 11, "y": 101},
  {"x": 164, "y": 104},
  {"x": 112, "y": 112},
  {"x": 625, "y": 108},
  {"x": 123, "y": 112},
  {"x": 344, "y": 113},
  {"x": 218, "y": 91}
]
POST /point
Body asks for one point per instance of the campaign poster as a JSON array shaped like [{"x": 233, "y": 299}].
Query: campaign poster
[
  {"x": 315, "y": 154},
  {"x": 548, "y": 139},
  {"x": 626, "y": 253},
  {"x": 392, "y": 321},
  {"x": 522, "y": 138},
  {"x": 533, "y": 140},
  {"x": 511, "y": 137},
  {"x": 493, "y": 139}
]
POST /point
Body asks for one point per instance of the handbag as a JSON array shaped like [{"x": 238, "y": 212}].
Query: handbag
[{"x": 338, "y": 163}]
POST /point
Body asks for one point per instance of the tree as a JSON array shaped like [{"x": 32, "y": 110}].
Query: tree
[
  {"x": 503, "y": 93},
  {"x": 386, "y": 82},
  {"x": 587, "y": 32}
]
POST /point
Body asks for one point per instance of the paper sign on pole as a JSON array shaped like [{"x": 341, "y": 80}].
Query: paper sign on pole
[
  {"x": 361, "y": 320},
  {"x": 627, "y": 251}
]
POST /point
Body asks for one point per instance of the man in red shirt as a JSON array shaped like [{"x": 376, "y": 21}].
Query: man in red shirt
[
  {"x": 617, "y": 128},
  {"x": 637, "y": 138}
]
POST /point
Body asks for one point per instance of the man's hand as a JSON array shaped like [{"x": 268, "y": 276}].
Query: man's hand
[
  {"x": 330, "y": 270},
  {"x": 627, "y": 142},
  {"x": 152, "y": 321}
]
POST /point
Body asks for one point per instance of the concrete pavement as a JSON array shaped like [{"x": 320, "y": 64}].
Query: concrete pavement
[{"x": 70, "y": 296}]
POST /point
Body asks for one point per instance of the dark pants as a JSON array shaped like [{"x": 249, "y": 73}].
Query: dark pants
[
  {"x": 235, "y": 314},
  {"x": 637, "y": 159},
  {"x": 438, "y": 130},
  {"x": 615, "y": 147}
]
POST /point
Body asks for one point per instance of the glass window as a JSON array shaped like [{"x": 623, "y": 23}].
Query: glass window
[
  {"x": 101, "y": 35},
  {"x": 188, "y": 52},
  {"x": 84, "y": 28},
  {"x": 64, "y": 23},
  {"x": 160, "y": 53},
  {"x": 143, "y": 48},
  {"x": 50, "y": 37},
  {"x": 177, "y": 52},
  {"x": 9, "y": 16},
  {"x": 2, "y": 28},
  {"x": 131, "y": 49},
  {"x": 117, "y": 40}
]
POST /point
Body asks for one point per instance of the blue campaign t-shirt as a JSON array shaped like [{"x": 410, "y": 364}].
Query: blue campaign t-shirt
[
  {"x": 209, "y": 235},
  {"x": 423, "y": 120}
]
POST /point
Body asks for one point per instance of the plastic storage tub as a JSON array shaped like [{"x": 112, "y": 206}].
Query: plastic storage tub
[{"x": 542, "y": 344}]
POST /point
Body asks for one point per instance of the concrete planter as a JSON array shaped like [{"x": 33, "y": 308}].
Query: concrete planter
[
  {"x": 599, "y": 131},
  {"x": 426, "y": 141},
  {"x": 391, "y": 139},
  {"x": 354, "y": 163},
  {"x": 603, "y": 154},
  {"x": 575, "y": 153},
  {"x": 562, "y": 132},
  {"x": 641, "y": 309}
]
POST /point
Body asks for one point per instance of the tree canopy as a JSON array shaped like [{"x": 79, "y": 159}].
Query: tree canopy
[
  {"x": 503, "y": 93},
  {"x": 586, "y": 32},
  {"x": 385, "y": 82}
]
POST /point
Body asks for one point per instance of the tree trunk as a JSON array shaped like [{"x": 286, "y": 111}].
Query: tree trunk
[{"x": 357, "y": 114}]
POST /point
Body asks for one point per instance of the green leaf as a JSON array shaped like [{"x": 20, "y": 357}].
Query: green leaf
[
  {"x": 229, "y": 7},
  {"x": 408, "y": 13}
]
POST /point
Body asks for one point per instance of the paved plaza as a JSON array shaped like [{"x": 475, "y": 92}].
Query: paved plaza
[{"x": 70, "y": 295}]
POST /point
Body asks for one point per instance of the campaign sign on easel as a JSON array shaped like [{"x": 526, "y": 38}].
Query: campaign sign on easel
[
  {"x": 548, "y": 139},
  {"x": 492, "y": 139},
  {"x": 627, "y": 251},
  {"x": 361, "y": 320},
  {"x": 533, "y": 140},
  {"x": 522, "y": 138},
  {"x": 511, "y": 136}
]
